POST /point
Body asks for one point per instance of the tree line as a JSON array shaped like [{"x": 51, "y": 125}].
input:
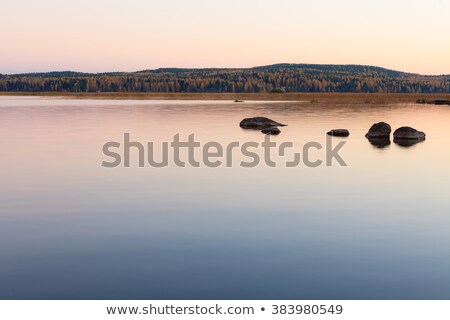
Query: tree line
[{"x": 289, "y": 78}]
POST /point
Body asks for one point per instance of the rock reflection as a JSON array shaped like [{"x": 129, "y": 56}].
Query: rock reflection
[
  {"x": 408, "y": 142},
  {"x": 380, "y": 142}
]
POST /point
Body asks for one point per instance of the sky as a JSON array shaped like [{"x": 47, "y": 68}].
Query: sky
[{"x": 119, "y": 35}]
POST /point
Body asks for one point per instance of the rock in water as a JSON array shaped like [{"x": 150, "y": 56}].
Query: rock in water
[
  {"x": 259, "y": 123},
  {"x": 338, "y": 133},
  {"x": 408, "y": 133},
  {"x": 440, "y": 102},
  {"x": 379, "y": 130},
  {"x": 272, "y": 130}
]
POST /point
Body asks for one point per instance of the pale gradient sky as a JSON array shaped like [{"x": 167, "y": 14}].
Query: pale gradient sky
[{"x": 113, "y": 35}]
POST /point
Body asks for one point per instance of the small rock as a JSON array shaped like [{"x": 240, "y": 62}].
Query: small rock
[
  {"x": 273, "y": 130},
  {"x": 421, "y": 101},
  {"x": 379, "y": 130},
  {"x": 259, "y": 123},
  {"x": 338, "y": 133},
  {"x": 408, "y": 133},
  {"x": 238, "y": 101}
]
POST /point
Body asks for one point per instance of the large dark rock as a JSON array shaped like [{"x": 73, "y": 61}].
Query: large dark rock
[
  {"x": 338, "y": 133},
  {"x": 272, "y": 130},
  {"x": 379, "y": 130},
  {"x": 408, "y": 133},
  {"x": 407, "y": 136},
  {"x": 259, "y": 123}
]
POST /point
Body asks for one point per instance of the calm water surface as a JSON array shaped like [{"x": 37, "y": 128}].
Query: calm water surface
[{"x": 70, "y": 229}]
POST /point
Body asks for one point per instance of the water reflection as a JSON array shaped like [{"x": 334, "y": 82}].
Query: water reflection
[
  {"x": 380, "y": 142},
  {"x": 408, "y": 142},
  {"x": 70, "y": 229}
]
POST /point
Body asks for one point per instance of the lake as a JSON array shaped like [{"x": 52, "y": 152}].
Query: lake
[{"x": 378, "y": 228}]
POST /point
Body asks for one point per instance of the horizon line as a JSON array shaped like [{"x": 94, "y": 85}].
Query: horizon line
[{"x": 228, "y": 68}]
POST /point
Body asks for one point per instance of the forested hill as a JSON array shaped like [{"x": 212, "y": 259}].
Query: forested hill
[{"x": 272, "y": 78}]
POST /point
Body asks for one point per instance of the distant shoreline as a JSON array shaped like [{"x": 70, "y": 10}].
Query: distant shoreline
[{"x": 339, "y": 98}]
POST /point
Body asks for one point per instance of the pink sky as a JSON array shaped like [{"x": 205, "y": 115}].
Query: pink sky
[{"x": 97, "y": 36}]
